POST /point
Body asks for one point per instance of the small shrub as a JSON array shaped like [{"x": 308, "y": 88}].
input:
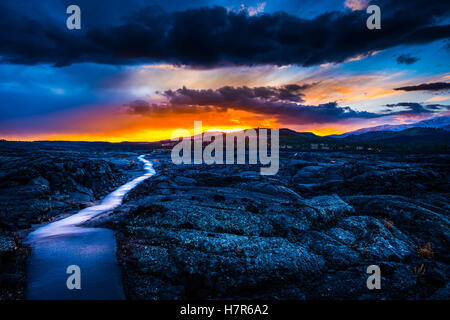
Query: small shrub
[
  {"x": 420, "y": 271},
  {"x": 425, "y": 250},
  {"x": 388, "y": 224}
]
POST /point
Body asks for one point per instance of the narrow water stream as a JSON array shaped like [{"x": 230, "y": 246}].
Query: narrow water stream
[{"x": 62, "y": 243}]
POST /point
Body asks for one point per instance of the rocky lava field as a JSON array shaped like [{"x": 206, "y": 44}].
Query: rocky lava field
[
  {"x": 225, "y": 231},
  {"x": 309, "y": 232}
]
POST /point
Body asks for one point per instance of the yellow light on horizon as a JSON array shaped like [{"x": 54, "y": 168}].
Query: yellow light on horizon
[{"x": 225, "y": 130}]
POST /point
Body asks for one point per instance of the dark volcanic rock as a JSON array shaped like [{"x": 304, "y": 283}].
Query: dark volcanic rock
[
  {"x": 13, "y": 255},
  {"x": 309, "y": 232},
  {"x": 36, "y": 185}
]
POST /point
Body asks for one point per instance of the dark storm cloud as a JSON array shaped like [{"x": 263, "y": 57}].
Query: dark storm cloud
[
  {"x": 208, "y": 37},
  {"x": 434, "y": 86},
  {"x": 250, "y": 99},
  {"x": 228, "y": 94},
  {"x": 438, "y": 107},
  {"x": 406, "y": 59},
  {"x": 283, "y": 103},
  {"x": 417, "y": 108},
  {"x": 413, "y": 107}
]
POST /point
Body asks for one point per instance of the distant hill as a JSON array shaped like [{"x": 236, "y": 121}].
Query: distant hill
[
  {"x": 420, "y": 139},
  {"x": 438, "y": 122},
  {"x": 286, "y": 135},
  {"x": 412, "y": 136},
  {"x": 412, "y": 139},
  {"x": 290, "y": 136}
]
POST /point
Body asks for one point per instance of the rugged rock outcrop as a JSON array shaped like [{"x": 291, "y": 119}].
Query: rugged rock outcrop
[
  {"x": 309, "y": 232},
  {"x": 36, "y": 185}
]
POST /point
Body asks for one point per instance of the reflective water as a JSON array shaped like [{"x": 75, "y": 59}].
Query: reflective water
[{"x": 60, "y": 244}]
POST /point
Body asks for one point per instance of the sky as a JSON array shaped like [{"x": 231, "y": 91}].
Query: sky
[{"x": 137, "y": 70}]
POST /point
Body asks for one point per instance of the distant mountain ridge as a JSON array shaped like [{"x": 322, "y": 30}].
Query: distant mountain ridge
[
  {"x": 411, "y": 136},
  {"x": 437, "y": 123},
  {"x": 419, "y": 139}
]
